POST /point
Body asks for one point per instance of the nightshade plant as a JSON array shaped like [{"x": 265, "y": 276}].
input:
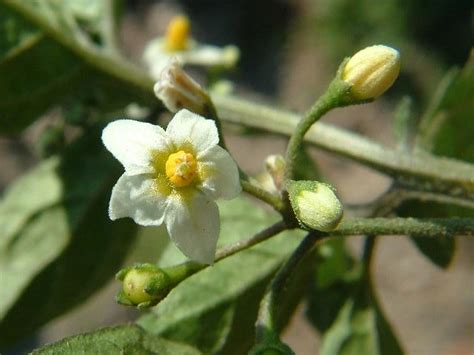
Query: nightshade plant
[{"x": 58, "y": 245}]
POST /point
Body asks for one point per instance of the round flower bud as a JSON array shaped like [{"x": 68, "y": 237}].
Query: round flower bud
[
  {"x": 145, "y": 284},
  {"x": 372, "y": 71},
  {"x": 315, "y": 205}
]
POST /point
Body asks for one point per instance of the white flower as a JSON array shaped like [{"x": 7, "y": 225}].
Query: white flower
[
  {"x": 173, "y": 176},
  {"x": 178, "y": 43}
]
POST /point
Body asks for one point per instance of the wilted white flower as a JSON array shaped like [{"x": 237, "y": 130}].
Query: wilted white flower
[
  {"x": 173, "y": 176},
  {"x": 178, "y": 43},
  {"x": 178, "y": 90}
]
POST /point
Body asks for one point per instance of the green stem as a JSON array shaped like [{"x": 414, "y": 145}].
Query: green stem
[
  {"x": 367, "y": 256},
  {"x": 109, "y": 29},
  {"x": 399, "y": 195},
  {"x": 418, "y": 170},
  {"x": 267, "y": 321},
  {"x": 256, "y": 191},
  {"x": 182, "y": 271},
  {"x": 329, "y": 100},
  {"x": 232, "y": 249},
  {"x": 417, "y": 227}
]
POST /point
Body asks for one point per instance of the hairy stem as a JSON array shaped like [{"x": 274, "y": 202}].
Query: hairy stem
[
  {"x": 418, "y": 170},
  {"x": 322, "y": 105},
  {"x": 186, "y": 269},
  {"x": 265, "y": 234},
  {"x": 256, "y": 191},
  {"x": 267, "y": 321},
  {"x": 417, "y": 227}
]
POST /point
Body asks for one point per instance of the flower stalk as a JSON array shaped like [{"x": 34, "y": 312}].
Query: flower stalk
[{"x": 267, "y": 321}]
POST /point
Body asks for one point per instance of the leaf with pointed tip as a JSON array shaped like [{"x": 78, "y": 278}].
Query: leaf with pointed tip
[
  {"x": 344, "y": 308},
  {"x": 445, "y": 130},
  {"x": 124, "y": 339}
]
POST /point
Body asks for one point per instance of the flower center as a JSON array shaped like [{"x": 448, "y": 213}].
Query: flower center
[
  {"x": 181, "y": 168},
  {"x": 177, "y": 34}
]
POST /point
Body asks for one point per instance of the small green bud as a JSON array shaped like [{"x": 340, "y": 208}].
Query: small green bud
[
  {"x": 372, "y": 71},
  {"x": 315, "y": 205},
  {"x": 144, "y": 285},
  {"x": 275, "y": 166}
]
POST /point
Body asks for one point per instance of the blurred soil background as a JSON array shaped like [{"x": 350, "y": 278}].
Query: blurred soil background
[{"x": 289, "y": 52}]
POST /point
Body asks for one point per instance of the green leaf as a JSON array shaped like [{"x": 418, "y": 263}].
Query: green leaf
[
  {"x": 446, "y": 127},
  {"x": 125, "y": 339},
  {"x": 226, "y": 296},
  {"x": 405, "y": 123},
  {"x": 441, "y": 250},
  {"x": 446, "y": 130},
  {"x": 344, "y": 308},
  {"x": 57, "y": 243},
  {"x": 36, "y": 72}
]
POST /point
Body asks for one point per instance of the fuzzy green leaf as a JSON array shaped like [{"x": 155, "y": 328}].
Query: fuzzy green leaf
[
  {"x": 446, "y": 129},
  {"x": 35, "y": 72},
  {"x": 125, "y": 339},
  {"x": 226, "y": 296},
  {"x": 57, "y": 244},
  {"x": 343, "y": 307}
]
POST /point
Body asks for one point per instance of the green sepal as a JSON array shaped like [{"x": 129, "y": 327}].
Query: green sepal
[
  {"x": 119, "y": 276},
  {"x": 158, "y": 285},
  {"x": 148, "y": 304},
  {"x": 340, "y": 91},
  {"x": 121, "y": 298}
]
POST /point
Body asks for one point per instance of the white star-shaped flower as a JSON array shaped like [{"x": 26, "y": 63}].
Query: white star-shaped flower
[
  {"x": 177, "y": 43},
  {"x": 173, "y": 176}
]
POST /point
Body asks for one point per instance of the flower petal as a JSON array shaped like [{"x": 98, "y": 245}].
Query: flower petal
[
  {"x": 193, "y": 225},
  {"x": 219, "y": 173},
  {"x": 131, "y": 143},
  {"x": 208, "y": 55},
  {"x": 187, "y": 128},
  {"x": 137, "y": 197}
]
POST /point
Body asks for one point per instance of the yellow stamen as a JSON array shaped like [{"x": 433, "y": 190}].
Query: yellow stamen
[
  {"x": 181, "y": 168},
  {"x": 177, "y": 34}
]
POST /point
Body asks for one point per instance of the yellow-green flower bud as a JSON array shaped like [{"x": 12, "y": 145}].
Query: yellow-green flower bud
[
  {"x": 315, "y": 205},
  {"x": 143, "y": 285},
  {"x": 372, "y": 71}
]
